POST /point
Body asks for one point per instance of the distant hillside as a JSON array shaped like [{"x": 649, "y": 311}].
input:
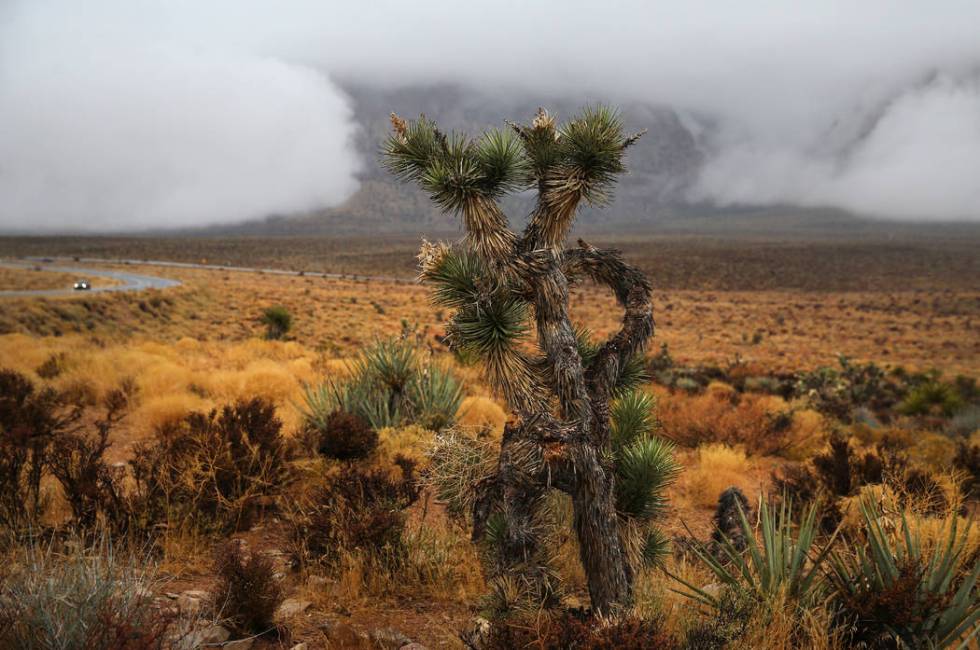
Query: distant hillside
[{"x": 661, "y": 166}]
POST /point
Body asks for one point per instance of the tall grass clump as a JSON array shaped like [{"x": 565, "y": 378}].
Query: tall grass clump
[
  {"x": 90, "y": 598},
  {"x": 391, "y": 384}
]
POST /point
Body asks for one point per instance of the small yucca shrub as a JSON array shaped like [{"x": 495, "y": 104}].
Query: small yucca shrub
[
  {"x": 278, "y": 321},
  {"x": 783, "y": 563},
  {"x": 390, "y": 385},
  {"x": 892, "y": 590}
]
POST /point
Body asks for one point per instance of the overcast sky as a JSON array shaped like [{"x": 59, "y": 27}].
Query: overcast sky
[{"x": 131, "y": 113}]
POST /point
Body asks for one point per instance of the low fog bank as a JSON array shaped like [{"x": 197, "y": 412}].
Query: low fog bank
[{"x": 146, "y": 115}]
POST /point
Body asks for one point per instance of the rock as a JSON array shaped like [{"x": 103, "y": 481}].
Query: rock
[
  {"x": 211, "y": 635},
  {"x": 389, "y": 638},
  {"x": 343, "y": 635},
  {"x": 713, "y": 589},
  {"x": 188, "y": 604},
  {"x": 476, "y": 634},
  {"x": 292, "y": 607}
]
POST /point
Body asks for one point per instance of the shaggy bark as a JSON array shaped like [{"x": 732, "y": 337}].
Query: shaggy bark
[{"x": 560, "y": 437}]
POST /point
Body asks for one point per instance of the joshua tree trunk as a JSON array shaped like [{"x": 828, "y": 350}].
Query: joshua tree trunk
[{"x": 560, "y": 396}]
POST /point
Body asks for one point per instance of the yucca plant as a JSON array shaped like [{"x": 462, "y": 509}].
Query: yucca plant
[
  {"x": 645, "y": 468},
  {"x": 390, "y": 384},
  {"x": 783, "y": 562},
  {"x": 500, "y": 285},
  {"x": 892, "y": 590}
]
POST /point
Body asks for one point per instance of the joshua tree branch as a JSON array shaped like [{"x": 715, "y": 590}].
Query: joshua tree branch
[{"x": 633, "y": 292}]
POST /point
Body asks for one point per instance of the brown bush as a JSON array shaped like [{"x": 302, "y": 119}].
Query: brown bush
[
  {"x": 214, "y": 468},
  {"x": 729, "y": 418},
  {"x": 30, "y": 419},
  {"x": 346, "y": 436},
  {"x": 577, "y": 630},
  {"x": 967, "y": 460},
  {"x": 91, "y": 487},
  {"x": 247, "y": 593},
  {"x": 356, "y": 509}
]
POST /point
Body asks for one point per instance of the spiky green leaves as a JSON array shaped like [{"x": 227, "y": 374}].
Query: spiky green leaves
[
  {"x": 454, "y": 169},
  {"x": 632, "y": 418},
  {"x": 453, "y": 274},
  {"x": 644, "y": 470},
  {"x": 591, "y": 152}
]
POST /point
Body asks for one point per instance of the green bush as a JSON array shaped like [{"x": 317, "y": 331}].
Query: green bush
[
  {"x": 278, "y": 321},
  {"x": 931, "y": 397},
  {"x": 391, "y": 385}
]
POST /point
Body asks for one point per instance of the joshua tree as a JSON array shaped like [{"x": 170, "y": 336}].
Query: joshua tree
[{"x": 561, "y": 392}]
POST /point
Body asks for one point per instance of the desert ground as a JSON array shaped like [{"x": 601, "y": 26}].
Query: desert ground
[{"x": 734, "y": 318}]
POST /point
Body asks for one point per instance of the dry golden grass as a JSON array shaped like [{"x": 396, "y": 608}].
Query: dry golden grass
[
  {"x": 716, "y": 467},
  {"x": 32, "y": 279},
  {"x": 798, "y": 329}
]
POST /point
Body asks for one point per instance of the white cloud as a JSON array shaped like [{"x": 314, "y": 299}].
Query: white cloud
[{"x": 134, "y": 112}]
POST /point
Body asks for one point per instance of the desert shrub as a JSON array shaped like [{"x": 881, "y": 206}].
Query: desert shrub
[
  {"x": 91, "y": 487},
  {"x": 90, "y": 598},
  {"x": 247, "y": 593},
  {"x": 967, "y": 461},
  {"x": 965, "y": 422},
  {"x": 53, "y": 366},
  {"x": 728, "y": 623},
  {"x": 213, "y": 468},
  {"x": 839, "y": 391},
  {"x": 345, "y": 436},
  {"x": 575, "y": 629},
  {"x": 29, "y": 421},
  {"x": 278, "y": 321},
  {"x": 357, "y": 509},
  {"x": 390, "y": 385},
  {"x": 719, "y": 467},
  {"x": 891, "y": 591},
  {"x": 931, "y": 397},
  {"x": 755, "y": 421},
  {"x": 457, "y": 462}
]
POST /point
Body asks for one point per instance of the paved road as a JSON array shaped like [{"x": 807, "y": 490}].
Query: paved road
[
  {"x": 233, "y": 269},
  {"x": 130, "y": 281}
]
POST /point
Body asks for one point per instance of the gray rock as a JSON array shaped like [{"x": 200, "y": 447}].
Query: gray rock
[
  {"x": 476, "y": 634},
  {"x": 211, "y": 635},
  {"x": 389, "y": 638},
  {"x": 292, "y": 607}
]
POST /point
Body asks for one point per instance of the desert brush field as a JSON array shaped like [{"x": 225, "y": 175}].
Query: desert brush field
[{"x": 284, "y": 459}]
